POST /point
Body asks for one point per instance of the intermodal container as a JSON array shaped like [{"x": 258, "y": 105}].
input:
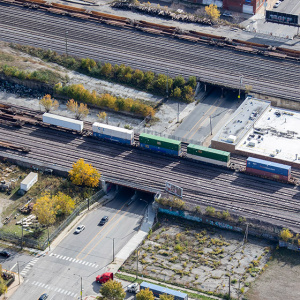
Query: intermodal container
[
  {"x": 208, "y": 154},
  {"x": 63, "y": 122},
  {"x": 159, "y": 290},
  {"x": 267, "y": 174},
  {"x": 112, "y": 133},
  {"x": 268, "y": 166},
  {"x": 160, "y": 144}
]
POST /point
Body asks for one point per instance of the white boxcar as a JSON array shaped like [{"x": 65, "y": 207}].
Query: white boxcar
[
  {"x": 112, "y": 133},
  {"x": 63, "y": 121},
  {"x": 29, "y": 181}
]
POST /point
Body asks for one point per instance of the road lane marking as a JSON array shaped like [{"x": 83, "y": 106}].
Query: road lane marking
[
  {"x": 110, "y": 229},
  {"x": 80, "y": 253},
  {"x": 200, "y": 118}
]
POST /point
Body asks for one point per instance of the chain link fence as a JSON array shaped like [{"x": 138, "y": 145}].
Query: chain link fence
[{"x": 32, "y": 243}]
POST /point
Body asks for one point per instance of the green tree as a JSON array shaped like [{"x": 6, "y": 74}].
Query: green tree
[
  {"x": 145, "y": 294},
  {"x": 87, "y": 64},
  {"x": 137, "y": 77},
  {"x": 112, "y": 290},
  {"x": 3, "y": 287},
  {"x": 212, "y": 11},
  {"x": 84, "y": 174},
  {"x": 177, "y": 93},
  {"x": 192, "y": 82},
  {"x": 210, "y": 211},
  {"x": 148, "y": 80},
  {"x": 107, "y": 70},
  {"x": 120, "y": 103},
  {"x": 160, "y": 84},
  {"x": 187, "y": 93},
  {"x": 44, "y": 210},
  {"x": 178, "y": 82},
  {"x": 48, "y": 103}
]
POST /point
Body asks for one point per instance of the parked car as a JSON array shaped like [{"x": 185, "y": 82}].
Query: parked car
[
  {"x": 79, "y": 229},
  {"x": 5, "y": 253},
  {"x": 103, "y": 221},
  {"x": 276, "y": 4},
  {"x": 133, "y": 288},
  {"x": 43, "y": 297},
  {"x": 105, "y": 277}
]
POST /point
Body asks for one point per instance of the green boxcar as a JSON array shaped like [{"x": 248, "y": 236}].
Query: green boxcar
[
  {"x": 208, "y": 153},
  {"x": 158, "y": 141}
]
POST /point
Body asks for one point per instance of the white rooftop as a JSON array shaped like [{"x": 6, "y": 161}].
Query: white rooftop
[
  {"x": 280, "y": 136},
  {"x": 106, "y": 126}
]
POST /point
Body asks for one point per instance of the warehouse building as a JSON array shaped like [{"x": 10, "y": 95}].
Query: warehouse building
[{"x": 259, "y": 130}]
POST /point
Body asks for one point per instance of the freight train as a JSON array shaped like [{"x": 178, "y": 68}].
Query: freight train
[{"x": 172, "y": 147}]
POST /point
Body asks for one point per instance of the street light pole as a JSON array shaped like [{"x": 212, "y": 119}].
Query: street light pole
[
  {"x": 137, "y": 262},
  {"x": 210, "y": 125},
  {"x": 241, "y": 82},
  {"x": 80, "y": 287},
  {"x": 22, "y": 236},
  {"x": 18, "y": 272},
  {"x": 113, "y": 249},
  {"x": 48, "y": 238},
  {"x": 178, "y": 114}
]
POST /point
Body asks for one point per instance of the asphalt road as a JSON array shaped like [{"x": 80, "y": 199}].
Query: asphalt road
[
  {"x": 196, "y": 127},
  {"x": 86, "y": 254}
]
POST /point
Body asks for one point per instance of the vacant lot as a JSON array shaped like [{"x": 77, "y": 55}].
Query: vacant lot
[
  {"x": 200, "y": 257},
  {"x": 280, "y": 281},
  {"x": 12, "y": 202}
]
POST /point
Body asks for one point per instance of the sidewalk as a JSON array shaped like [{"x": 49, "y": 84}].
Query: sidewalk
[
  {"x": 134, "y": 242},
  {"x": 13, "y": 287}
]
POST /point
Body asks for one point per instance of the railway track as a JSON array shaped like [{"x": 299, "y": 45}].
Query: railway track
[
  {"x": 149, "y": 52},
  {"x": 277, "y": 203}
]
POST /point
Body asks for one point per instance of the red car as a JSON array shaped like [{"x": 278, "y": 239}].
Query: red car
[{"x": 105, "y": 277}]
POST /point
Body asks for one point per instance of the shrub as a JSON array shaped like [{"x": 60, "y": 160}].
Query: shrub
[{"x": 210, "y": 210}]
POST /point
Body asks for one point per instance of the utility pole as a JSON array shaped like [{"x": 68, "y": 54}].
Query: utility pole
[
  {"x": 210, "y": 125},
  {"x": 88, "y": 201},
  {"x": 178, "y": 114},
  {"x": 22, "y": 236},
  {"x": 113, "y": 249},
  {"x": 80, "y": 287},
  {"x": 167, "y": 89},
  {"x": 66, "y": 37},
  {"x": 241, "y": 82},
  {"x": 48, "y": 239}
]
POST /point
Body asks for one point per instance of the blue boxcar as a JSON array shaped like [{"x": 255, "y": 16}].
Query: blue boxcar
[
  {"x": 160, "y": 149},
  {"x": 268, "y": 166},
  {"x": 159, "y": 290}
]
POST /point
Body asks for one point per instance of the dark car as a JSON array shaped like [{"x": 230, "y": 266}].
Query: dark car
[
  {"x": 103, "y": 221},
  {"x": 43, "y": 297},
  {"x": 5, "y": 253}
]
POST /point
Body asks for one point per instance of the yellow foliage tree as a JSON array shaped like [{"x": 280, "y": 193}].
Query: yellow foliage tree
[
  {"x": 81, "y": 110},
  {"x": 166, "y": 297},
  {"x": 84, "y": 174},
  {"x": 44, "y": 210},
  {"x": 145, "y": 294},
  {"x": 63, "y": 203},
  {"x": 212, "y": 11},
  {"x": 285, "y": 234},
  {"x": 112, "y": 290},
  {"x": 48, "y": 103},
  {"x": 102, "y": 116}
]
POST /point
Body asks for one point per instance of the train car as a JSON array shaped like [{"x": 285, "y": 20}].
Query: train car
[
  {"x": 208, "y": 155},
  {"x": 112, "y": 133},
  {"x": 159, "y": 290},
  {"x": 160, "y": 144},
  {"x": 268, "y": 169},
  {"x": 63, "y": 122}
]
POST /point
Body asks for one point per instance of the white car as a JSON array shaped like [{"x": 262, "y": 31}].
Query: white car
[
  {"x": 277, "y": 4},
  {"x": 79, "y": 229}
]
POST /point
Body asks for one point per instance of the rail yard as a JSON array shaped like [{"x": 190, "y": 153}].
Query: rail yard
[{"x": 210, "y": 62}]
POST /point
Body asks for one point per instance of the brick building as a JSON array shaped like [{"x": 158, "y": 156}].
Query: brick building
[{"x": 243, "y": 6}]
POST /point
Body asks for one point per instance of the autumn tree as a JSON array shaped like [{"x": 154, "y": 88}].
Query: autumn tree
[
  {"x": 102, "y": 116},
  {"x": 177, "y": 92},
  {"x": 285, "y": 234},
  {"x": 44, "y": 210},
  {"x": 166, "y": 297},
  {"x": 80, "y": 111},
  {"x": 84, "y": 174},
  {"x": 145, "y": 294},
  {"x": 107, "y": 70},
  {"x": 212, "y": 11},
  {"x": 48, "y": 103},
  {"x": 63, "y": 204},
  {"x": 178, "y": 82},
  {"x": 87, "y": 64},
  {"x": 188, "y": 93},
  {"x": 112, "y": 290}
]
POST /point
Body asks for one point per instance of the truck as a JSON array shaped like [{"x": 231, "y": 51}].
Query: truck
[
  {"x": 133, "y": 288},
  {"x": 105, "y": 277}
]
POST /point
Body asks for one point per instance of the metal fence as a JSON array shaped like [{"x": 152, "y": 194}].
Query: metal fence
[{"x": 32, "y": 243}]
